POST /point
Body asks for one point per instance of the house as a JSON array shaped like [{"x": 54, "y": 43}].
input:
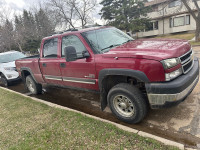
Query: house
[{"x": 169, "y": 17}]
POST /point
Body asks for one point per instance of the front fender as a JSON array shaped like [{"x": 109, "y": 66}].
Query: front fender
[{"x": 119, "y": 72}]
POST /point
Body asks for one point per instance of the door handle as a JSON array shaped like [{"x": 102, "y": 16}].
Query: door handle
[
  {"x": 44, "y": 64},
  {"x": 62, "y": 65}
]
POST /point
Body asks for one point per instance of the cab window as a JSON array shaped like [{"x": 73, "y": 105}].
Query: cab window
[
  {"x": 74, "y": 41},
  {"x": 50, "y": 48}
]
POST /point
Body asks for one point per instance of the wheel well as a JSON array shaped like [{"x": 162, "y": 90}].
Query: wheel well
[
  {"x": 24, "y": 74},
  {"x": 110, "y": 81}
]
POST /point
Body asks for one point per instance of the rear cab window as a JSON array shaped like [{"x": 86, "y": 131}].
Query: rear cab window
[{"x": 50, "y": 48}]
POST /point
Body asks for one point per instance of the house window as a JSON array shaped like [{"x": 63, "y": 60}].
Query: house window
[
  {"x": 175, "y": 3},
  {"x": 149, "y": 26},
  {"x": 179, "y": 21},
  {"x": 155, "y": 8},
  {"x": 170, "y": 22},
  {"x": 156, "y": 25},
  {"x": 152, "y": 26},
  {"x": 187, "y": 20}
]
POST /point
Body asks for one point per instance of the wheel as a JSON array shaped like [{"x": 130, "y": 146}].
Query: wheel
[
  {"x": 127, "y": 103},
  {"x": 4, "y": 81},
  {"x": 32, "y": 86}
]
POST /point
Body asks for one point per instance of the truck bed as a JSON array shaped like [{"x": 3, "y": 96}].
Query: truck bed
[{"x": 30, "y": 64}]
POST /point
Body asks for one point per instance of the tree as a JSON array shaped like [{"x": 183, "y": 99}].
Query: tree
[
  {"x": 7, "y": 35},
  {"x": 25, "y": 30},
  {"x": 124, "y": 14},
  {"x": 62, "y": 11},
  {"x": 19, "y": 33},
  {"x": 195, "y": 16},
  {"x": 30, "y": 28},
  {"x": 83, "y": 10},
  {"x": 69, "y": 12},
  {"x": 43, "y": 24}
]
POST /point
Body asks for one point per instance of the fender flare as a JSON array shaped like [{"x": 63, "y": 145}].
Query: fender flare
[
  {"x": 29, "y": 70},
  {"x": 123, "y": 72},
  {"x": 139, "y": 75}
]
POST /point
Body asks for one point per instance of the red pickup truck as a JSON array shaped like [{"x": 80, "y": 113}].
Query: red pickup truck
[{"x": 130, "y": 75}]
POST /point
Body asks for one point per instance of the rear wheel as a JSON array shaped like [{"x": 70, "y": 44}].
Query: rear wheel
[
  {"x": 3, "y": 80},
  {"x": 32, "y": 86},
  {"x": 127, "y": 103}
]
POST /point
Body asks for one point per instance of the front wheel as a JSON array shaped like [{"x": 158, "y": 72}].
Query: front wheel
[
  {"x": 127, "y": 103},
  {"x": 32, "y": 86},
  {"x": 3, "y": 80}
]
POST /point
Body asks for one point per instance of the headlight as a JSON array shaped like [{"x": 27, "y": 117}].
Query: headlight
[
  {"x": 172, "y": 75},
  {"x": 169, "y": 63},
  {"x": 10, "y": 68}
]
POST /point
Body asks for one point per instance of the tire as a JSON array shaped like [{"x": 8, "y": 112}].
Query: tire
[
  {"x": 4, "y": 81},
  {"x": 32, "y": 86},
  {"x": 127, "y": 103}
]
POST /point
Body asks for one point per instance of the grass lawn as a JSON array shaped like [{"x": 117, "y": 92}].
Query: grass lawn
[
  {"x": 185, "y": 36},
  {"x": 26, "y": 124}
]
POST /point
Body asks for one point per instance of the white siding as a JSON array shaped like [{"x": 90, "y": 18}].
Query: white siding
[{"x": 169, "y": 13}]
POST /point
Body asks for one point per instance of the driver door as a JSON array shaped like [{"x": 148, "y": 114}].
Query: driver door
[{"x": 79, "y": 73}]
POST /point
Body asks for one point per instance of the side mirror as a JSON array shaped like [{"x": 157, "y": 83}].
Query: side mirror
[
  {"x": 85, "y": 54},
  {"x": 70, "y": 53}
]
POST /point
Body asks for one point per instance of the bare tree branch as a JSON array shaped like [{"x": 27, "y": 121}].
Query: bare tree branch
[
  {"x": 71, "y": 11},
  {"x": 197, "y": 6},
  {"x": 185, "y": 2}
]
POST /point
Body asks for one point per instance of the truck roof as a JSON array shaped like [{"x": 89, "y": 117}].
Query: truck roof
[{"x": 76, "y": 31}]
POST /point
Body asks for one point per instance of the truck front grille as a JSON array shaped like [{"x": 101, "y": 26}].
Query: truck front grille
[{"x": 187, "y": 61}]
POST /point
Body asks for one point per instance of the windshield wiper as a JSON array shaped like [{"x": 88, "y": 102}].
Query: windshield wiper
[
  {"x": 110, "y": 46},
  {"x": 127, "y": 41}
]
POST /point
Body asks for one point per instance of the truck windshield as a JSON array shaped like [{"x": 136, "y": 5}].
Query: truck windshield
[
  {"x": 5, "y": 58},
  {"x": 102, "y": 40}
]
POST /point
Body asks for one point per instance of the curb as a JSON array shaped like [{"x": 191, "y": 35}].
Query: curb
[
  {"x": 195, "y": 45},
  {"x": 141, "y": 133}
]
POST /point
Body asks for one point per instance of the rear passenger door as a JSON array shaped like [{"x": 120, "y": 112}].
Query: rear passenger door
[{"x": 49, "y": 62}]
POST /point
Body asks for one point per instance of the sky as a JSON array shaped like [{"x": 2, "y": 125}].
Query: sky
[
  {"x": 11, "y": 7},
  {"x": 18, "y": 5}
]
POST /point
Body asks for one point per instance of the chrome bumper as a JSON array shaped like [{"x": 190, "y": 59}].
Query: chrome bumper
[
  {"x": 161, "y": 99},
  {"x": 166, "y": 94}
]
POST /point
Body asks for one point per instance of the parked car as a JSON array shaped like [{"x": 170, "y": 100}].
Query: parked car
[
  {"x": 129, "y": 74},
  {"x": 8, "y": 72}
]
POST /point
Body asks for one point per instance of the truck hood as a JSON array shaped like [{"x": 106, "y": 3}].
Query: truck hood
[
  {"x": 156, "y": 49},
  {"x": 9, "y": 64}
]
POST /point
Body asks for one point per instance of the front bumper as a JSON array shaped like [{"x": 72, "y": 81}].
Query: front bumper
[
  {"x": 166, "y": 94},
  {"x": 14, "y": 80}
]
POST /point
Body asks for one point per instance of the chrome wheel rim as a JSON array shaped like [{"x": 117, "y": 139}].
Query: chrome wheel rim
[
  {"x": 123, "y": 105},
  {"x": 30, "y": 86}
]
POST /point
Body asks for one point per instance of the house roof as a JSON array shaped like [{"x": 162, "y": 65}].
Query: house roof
[{"x": 155, "y": 2}]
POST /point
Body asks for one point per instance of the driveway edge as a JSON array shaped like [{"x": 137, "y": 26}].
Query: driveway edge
[{"x": 141, "y": 133}]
